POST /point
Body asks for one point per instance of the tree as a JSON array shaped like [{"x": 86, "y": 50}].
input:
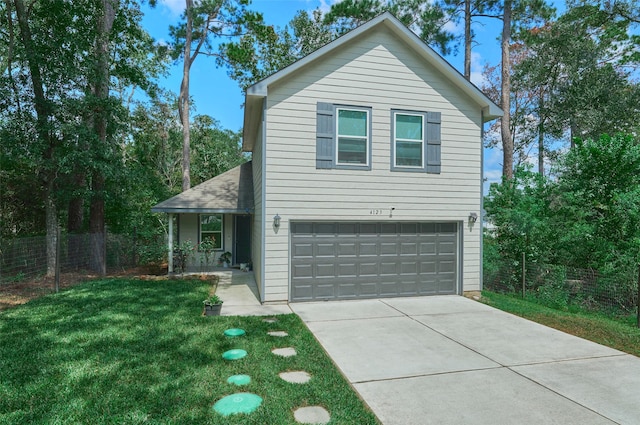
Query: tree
[
  {"x": 204, "y": 22},
  {"x": 583, "y": 61}
]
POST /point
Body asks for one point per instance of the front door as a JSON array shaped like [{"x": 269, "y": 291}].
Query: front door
[{"x": 242, "y": 229}]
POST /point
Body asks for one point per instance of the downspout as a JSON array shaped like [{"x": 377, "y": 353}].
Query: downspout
[
  {"x": 481, "y": 281},
  {"x": 263, "y": 169}
]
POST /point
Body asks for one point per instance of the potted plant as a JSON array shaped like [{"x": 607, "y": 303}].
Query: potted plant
[
  {"x": 225, "y": 259},
  {"x": 212, "y": 306}
]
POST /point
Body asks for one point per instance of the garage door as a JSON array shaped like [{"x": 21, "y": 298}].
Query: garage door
[{"x": 352, "y": 260}]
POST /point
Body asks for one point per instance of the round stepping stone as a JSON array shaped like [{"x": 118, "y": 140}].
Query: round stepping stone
[
  {"x": 312, "y": 415},
  {"x": 234, "y": 354},
  {"x": 233, "y": 332},
  {"x": 284, "y": 352},
  {"x": 239, "y": 380},
  {"x": 237, "y": 403},
  {"x": 270, "y": 320},
  {"x": 295, "y": 377},
  {"x": 278, "y": 333}
]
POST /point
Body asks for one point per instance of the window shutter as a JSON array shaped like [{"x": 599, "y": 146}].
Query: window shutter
[
  {"x": 433, "y": 142},
  {"x": 325, "y": 133}
]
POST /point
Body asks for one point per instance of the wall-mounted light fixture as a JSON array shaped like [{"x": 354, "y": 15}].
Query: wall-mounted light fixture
[
  {"x": 276, "y": 221},
  {"x": 473, "y": 217}
]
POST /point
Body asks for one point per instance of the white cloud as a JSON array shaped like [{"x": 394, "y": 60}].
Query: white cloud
[
  {"x": 325, "y": 5},
  {"x": 176, "y": 7},
  {"x": 477, "y": 64}
]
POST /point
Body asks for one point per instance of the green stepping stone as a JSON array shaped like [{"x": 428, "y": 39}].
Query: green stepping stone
[
  {"x": 234, "y": 332},
  {"x": 237, "y": 403},
  {"x": 234, "y": 354},
  {"x": 239, "y": 379}
]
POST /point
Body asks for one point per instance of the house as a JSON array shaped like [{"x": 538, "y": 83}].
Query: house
[{"x": 366, "y": 174}]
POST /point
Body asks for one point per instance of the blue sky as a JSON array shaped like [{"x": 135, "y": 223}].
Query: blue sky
[{"x": 217, "y": 95}]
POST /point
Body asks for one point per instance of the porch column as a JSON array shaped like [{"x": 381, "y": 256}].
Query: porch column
[{"x": 170, "y": 243}]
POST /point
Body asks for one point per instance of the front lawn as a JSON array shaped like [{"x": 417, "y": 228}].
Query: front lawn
[
  {"x": 128, "y": 351},
  {"x": 621, "y": 334}
]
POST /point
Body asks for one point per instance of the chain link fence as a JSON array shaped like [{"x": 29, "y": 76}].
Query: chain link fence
[
  {"x": 26, "y": 258},
  {"x": 614, "y": 293}
]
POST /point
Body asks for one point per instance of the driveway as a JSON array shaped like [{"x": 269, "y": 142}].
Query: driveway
[{"x": 451, "y": 360}]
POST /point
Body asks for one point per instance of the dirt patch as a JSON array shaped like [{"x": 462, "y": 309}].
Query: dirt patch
[{"x": 14, "y": 294}]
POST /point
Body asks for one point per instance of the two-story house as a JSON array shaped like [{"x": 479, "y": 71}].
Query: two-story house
[{"x": 365, "y": 179}]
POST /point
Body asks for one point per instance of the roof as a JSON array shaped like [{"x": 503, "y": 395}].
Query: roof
[
  {"x": 229, "y": 192},
  {"x": 256, "y": 93}
]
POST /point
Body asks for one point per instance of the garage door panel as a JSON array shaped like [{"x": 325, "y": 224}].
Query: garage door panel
[
  {"x": 350, "y": 260},
  {"x": 325, "y": 249},
  {"x": 409, "y": 248},
  {"x": 347, "y": 270},
  {"x": 388, "y": 248},
  {"x": 347, "y": 249},
  {"x": 302, "y": 250},
  {"x": 368, "y": 248}
]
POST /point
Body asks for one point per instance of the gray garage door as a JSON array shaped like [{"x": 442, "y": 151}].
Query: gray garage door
[{"x": 349, "y": 260}]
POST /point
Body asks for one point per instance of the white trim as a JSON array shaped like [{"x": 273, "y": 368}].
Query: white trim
[
  {"x": 395, "y": 140},
  {"x": 367, "y": 137}
]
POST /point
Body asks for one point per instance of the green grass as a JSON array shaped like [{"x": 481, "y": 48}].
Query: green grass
[
  {"x": 620, "y": 333},
  {"x": 126, "y": 351}
]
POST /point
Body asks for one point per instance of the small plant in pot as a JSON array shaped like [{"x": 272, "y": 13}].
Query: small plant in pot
[
  {"x": 225, "y": 259},
  {"x": 212, "y": 306}
]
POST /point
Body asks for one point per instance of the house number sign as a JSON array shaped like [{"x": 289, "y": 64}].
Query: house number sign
[{"x": 375, "y": 212}]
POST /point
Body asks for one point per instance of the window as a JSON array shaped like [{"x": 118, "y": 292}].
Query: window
[
  {"x": 211, "y": 226},
  {"x": 352, "y": 136},
  {"x": 408, "y": 137},
  {"x": 416, "y": 141}
]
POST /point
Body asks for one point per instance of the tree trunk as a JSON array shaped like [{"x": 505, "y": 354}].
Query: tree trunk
[
  {"x": 467, "y": 39},
  {"x": 505, "y": 122},
  {"x": 75, "y": 223},
  {"x": 183, "y": 101},
  {"x": 101, "y": 92},
  {"x": 541, "y": 134},
  {"x": 43, "y": 112}
]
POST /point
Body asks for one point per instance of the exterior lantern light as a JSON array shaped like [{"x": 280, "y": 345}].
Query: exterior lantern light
[
  {"x": 473, "y": 217},
  {"x": 276, "y": 221}
]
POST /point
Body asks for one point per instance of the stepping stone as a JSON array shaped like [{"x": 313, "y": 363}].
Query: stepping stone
[
  {"x": 312, "y": 415},
  {"x": 296, "y": 377},
  {"x": 270, "y": 320},
  {"x": 284, "y": 352},
  {"x": 239, "y": 380},
  {"x": 237, "y": 403},
  {"x": 234, "y": 354},
  {"x": 233, "y": 332},
  {"x": 278, "y": 333}
]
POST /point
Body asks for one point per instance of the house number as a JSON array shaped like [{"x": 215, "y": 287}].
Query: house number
[{"x": 375, "y": 212}]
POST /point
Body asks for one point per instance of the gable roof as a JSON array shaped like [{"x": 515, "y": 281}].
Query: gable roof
[
  {"x": 256, "y": 93},
  {"x": 229, "y": 192}
]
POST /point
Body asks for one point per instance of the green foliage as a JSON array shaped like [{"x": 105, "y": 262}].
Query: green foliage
[{"x": 213, "y": 300}]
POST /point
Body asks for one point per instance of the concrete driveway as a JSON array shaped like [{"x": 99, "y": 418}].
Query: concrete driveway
[{"x": 451, "y": 360}]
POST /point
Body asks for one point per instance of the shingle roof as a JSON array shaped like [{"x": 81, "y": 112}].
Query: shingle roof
[{"x": 228, "y": 192}]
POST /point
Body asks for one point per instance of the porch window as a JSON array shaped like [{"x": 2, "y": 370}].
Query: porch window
[{"x": 211, "y": 227}]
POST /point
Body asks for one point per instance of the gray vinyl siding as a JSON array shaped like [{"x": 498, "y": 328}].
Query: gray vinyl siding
[
  {"x": 380, "y": 72},
  {"x": 257, "y": 228}
]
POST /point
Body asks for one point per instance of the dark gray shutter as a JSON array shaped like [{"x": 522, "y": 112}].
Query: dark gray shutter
[
  {"x": 325, "y": 133},
  {"x": 433, "y": 142}
]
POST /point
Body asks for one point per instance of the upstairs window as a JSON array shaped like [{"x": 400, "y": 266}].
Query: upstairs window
[
  {"x": 409, "y": 140},
  {"x": 352, "y": 136},
  {"x": 416, "y": 141}
]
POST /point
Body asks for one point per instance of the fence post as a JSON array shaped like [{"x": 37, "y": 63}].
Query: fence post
[
  {"x": 58, "y": 248},
  {"x": 524, "y": 269}
]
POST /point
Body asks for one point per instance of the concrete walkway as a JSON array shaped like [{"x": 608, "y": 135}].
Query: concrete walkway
[
  {"x": 451, "y": 360},
  {"x": 240, "y": 297}
]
